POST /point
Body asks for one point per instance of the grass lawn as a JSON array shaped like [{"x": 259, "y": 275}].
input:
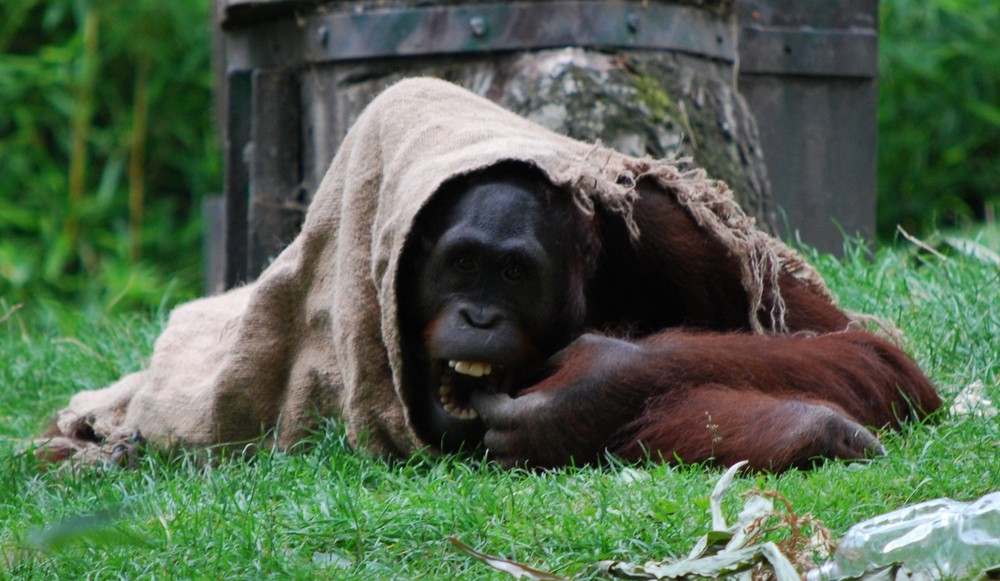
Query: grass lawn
[{"x": 330, "y": 513}]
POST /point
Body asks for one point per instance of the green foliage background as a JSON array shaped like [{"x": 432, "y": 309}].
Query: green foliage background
[
  {"x": 107, "y": 141},
  {"x": 107, "y": 145},
  {"x": 939, "y": 113}
]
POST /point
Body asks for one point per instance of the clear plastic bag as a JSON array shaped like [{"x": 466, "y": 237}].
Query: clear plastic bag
[{"x": 938, "y": 538}]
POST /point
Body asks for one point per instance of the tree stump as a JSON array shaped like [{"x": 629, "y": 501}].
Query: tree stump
[
  {"x": 305, "y": 75},
  {"x": 640, "y": 103}
]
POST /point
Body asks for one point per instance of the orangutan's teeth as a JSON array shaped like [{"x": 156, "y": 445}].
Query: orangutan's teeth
[
  {"x": 446, "y": 390},
  {"x": 473, "y": 368},
  {"x": 457, "y": 412}
]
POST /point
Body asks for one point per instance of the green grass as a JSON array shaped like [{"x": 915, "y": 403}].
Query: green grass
[{"x": 327, "y": 512}]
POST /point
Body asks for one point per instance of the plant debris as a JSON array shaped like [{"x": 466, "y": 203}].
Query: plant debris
[
  {"x": 746, "y": 548},
  {"x": 515, "y": 569}
]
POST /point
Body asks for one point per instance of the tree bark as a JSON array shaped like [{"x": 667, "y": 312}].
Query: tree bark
[{"x": 659, "y": 104}]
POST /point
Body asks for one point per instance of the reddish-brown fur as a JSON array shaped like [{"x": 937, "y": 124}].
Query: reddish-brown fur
[
  {"x": 775, "y": 401},
  {"x": 671, "y": 369}
]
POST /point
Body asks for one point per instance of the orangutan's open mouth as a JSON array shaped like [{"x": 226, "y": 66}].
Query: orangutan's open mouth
[{"x": 456, "y": 380}]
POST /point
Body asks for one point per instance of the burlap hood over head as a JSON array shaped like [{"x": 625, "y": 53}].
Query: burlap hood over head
[{"x": 317, "y": 334}]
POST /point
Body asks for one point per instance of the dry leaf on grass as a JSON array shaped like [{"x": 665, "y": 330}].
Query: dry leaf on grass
[{"x": 742, "y": 548}]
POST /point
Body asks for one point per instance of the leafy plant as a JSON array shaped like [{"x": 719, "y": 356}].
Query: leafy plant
[
  {"x": 939, "y": 113},
  {"x": 108, "y": 145}
]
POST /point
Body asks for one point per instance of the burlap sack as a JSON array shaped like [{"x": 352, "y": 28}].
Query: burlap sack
[{"x": 316, "y": 335}]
